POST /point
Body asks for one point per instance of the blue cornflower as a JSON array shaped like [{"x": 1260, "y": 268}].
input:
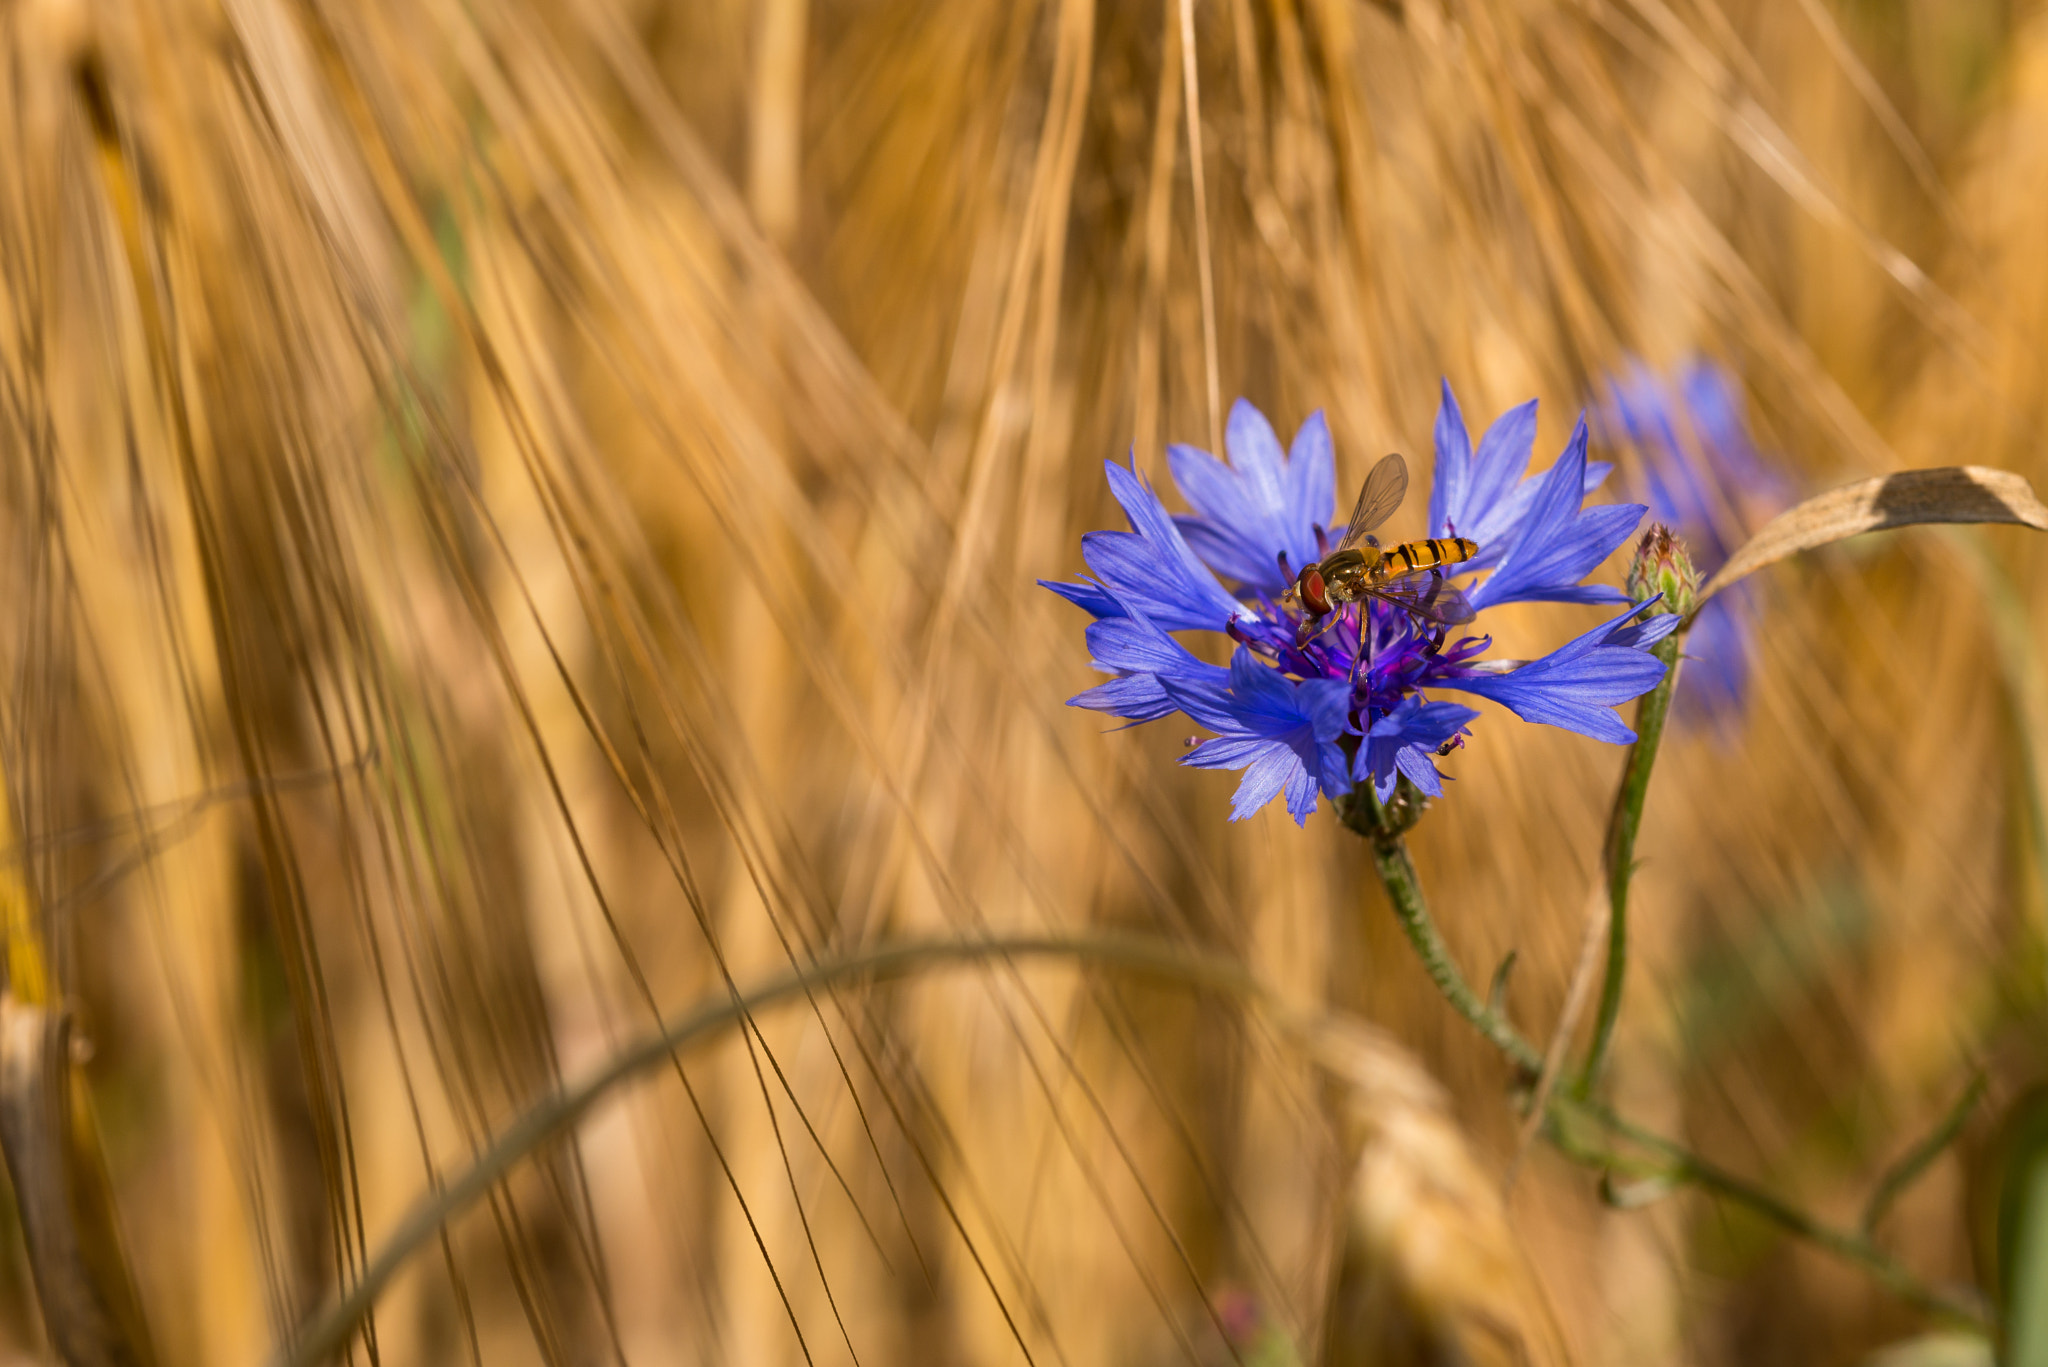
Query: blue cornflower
[
  {"x": 1704, "y": 475},
  {"x": 1351, "y": 703}
]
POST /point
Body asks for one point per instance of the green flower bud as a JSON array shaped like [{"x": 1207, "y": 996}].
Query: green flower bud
[{"x": 1662, "y": 566}]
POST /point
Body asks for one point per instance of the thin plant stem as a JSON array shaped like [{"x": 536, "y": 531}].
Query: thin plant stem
[
  {"x": 1916, "y": 1160},
  {"x": 1383, "y": 826},
  {"x": 1620, "y": 851},
  {"x": 1853, "y": 1246}
]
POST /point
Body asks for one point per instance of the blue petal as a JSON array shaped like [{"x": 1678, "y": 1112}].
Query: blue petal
[
  {"x": 1557, "y": 545},
  {"x": 1576, "y": 685},
  {"x": 1137, "y": 697},
  {"x": 1301, "y": 795},
  {"x": 1326, "y": 703},
  {"x": 1133, "y": 644},
  {"x": 1260, "y": 701},
  {"x": 1211, "y": 488},
  {"x": 1311, "y": 481},
  {"x": 1166, "y": 581},
  {"x": 1285, "y": 731},
  {"x": 1413, "y": 761},
  {"x": 1266, "y": 701},
  {"x": 1424, "y": 723},
  {"x": 1261, "y": 504},
  {"x": 1091, "y": 596},
  {"x": 1691, "y": 483},
  {"x": 1413, "y": 725},
  {"x": 1132, "y": 569},
  {"x": 1508, "y": 514},
  {"x": 1227, "y": 752},
  {"x": 1236, "y": 527},
  {"x": 1208, "y": 703},
  {"x": 1453, "y": 465},
  {"x": 1478, "y": 495},
  {"x": 1497, "y": 469},
  {"x": 1263, "y": 780},
  {"x": 1578, "y": 593},
  {"x": 1336, "y": 775},
  {"x": 1260, "y": 465},
  {"x": 1640, "y": 406},
  {"x": 1577, "y": 697},
  {"x": 1645, "y": 632},
  {"x": 1483, "y": 496},
  {"x": 1228, "y": 554}
]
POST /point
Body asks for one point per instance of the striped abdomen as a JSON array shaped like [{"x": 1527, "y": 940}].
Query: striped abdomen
[{"x": 1410, "y": 556}]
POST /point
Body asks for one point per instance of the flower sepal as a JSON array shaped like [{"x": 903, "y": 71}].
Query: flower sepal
[{"x": 1662, "y": 571}]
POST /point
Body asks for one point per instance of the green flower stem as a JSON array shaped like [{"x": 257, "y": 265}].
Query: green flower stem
[
  {"x": 1566, "y": 1117},
  {"x": 1621, "y": 849},
  {"x": 1688, "y": 1168},
  {"x": 1383, "y": 826},
  {"x": 1916, "y": 1160}
]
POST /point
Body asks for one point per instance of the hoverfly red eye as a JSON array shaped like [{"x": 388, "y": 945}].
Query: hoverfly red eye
[{"x": 1313, "y": 594}]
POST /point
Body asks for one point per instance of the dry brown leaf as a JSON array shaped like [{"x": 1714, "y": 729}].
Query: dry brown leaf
[{"x": 1952, "y": 493}]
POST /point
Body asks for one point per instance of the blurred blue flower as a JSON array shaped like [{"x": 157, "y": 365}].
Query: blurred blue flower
[
  {"x": 1352, "y": 703},
  {"x": 1704, "y": 475}
]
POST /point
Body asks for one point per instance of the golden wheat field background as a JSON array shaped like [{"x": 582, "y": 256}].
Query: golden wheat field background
[{"x": 519, "y": 520}]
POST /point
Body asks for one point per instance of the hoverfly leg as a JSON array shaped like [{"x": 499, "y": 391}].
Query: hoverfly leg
[
  {"x": 1290, "y": 595},
  {"x": 1304, "y": 637},
  {"x": 1361, "y": 660}
]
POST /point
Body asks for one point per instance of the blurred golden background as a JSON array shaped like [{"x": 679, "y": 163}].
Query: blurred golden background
[{"x": 519, "y": 517}]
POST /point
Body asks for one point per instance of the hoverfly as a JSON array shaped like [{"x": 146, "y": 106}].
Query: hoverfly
[{"x": 1406, "y": 575}]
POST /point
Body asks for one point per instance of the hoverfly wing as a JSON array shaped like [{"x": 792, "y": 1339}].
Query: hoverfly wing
[
  {"x": 1427, "y": 595},
  {"x": 1384, "y": 489}
]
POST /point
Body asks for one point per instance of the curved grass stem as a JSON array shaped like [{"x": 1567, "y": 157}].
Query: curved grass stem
[{"x": 324, "y": 1335}]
